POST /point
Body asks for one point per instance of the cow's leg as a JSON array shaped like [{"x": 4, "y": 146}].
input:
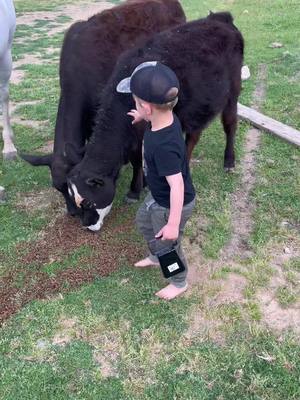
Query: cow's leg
[
  {"x": 229, "y": 120},
  {"x": 191, "y": 140},
  {"x": 136, "y": 158},
  {"x": 9, "y": 150},
  {"x": 137, "y": 182}
]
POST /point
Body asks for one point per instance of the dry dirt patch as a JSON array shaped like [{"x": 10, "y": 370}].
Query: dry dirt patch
[
  {"x": 26, "y": 59},
  {"x": 274, "y": 316},
  {"x": 47, "y": 147},
  {"x": 277, "y": 318},
  {"x": 17, "y": 76},
  {"x": 202, "y": 328},
  {"x": 241, "y": 205},
  {"x": 232, "y": 290},
  {"x": 67, "y": 331},
  {"x": 76, "y": 12},
  {"x": 47, "y": 199}
]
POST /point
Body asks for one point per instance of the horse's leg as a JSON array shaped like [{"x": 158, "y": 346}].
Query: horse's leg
[{"x": 9, "y": 150}]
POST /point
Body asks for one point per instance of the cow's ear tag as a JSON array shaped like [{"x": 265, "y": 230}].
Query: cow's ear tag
[{"x": 94, "y": 182}]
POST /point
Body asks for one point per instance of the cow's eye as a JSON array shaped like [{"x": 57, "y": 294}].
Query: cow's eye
[{"x": 94, "y": 182}]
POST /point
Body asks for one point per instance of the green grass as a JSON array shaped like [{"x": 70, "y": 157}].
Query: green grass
[
  {"x": 38, "y": 5},
  {"x": 214, "y": 187},
  {"x": 258, "y": 272},
  {"x": 277, "y": 193},
  {"x": 286, "y": 296},
  {"x": 294, "y": 264},
  {"x": 145, "y": 344},
  {"x": 122, "y": 342},
  {"x": 72, "y": 261},
  {"x": 44, "y": 5}
]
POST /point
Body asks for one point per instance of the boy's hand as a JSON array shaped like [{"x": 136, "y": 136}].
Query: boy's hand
[
  {"x": 168, "y": 232},
  {"x": 135, "y": 115}
]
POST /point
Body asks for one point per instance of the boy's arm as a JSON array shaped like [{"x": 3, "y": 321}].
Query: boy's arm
[
  {"x": 135, "y": 115},
  {"x": 171, "y": 230}
]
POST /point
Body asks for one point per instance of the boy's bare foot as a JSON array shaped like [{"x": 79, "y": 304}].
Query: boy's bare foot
[
  {"x": 146, "y": 262},
  {"x": 171, "y": 291}
]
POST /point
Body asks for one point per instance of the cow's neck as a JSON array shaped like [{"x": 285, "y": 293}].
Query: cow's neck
[{"x": 107, "y": 146}]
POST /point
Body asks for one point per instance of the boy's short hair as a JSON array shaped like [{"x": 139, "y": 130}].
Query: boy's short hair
[
  {"x": 170, "y": 105},
  {"x": 153, "y": 82}
]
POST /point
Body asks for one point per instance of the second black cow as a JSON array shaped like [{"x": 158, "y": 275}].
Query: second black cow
[{"x": 207, "y": 56}]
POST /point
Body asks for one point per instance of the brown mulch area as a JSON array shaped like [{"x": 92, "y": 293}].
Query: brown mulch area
[{"x": 58, "y": 242}]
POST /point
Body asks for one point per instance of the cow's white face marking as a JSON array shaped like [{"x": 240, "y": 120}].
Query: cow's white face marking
[
  {"x": 102, "y": 212},
  {"x": 77, "y": 197}
]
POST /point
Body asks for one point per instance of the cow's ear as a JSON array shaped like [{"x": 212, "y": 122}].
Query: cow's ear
[
  {"x": 94, "y": 182},
  {"x": 73, "y": 154}
]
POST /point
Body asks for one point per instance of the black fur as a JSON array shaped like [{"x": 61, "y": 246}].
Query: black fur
[
  {"x": 207, "y": 57},
  {"x": 89, "y": 53}
]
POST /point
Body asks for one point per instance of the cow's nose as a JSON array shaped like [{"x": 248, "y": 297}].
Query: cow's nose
[{"x": 96, "y": 227}]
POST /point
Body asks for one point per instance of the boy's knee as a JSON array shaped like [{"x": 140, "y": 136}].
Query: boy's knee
[
  {"x": 141, "y": 218},
  {"x": 138, "y": 217}
]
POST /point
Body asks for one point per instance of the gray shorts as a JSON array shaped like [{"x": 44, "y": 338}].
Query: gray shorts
[{"x": 150, "y": 218}]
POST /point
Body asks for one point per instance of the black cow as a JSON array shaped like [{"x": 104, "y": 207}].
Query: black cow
[
  {"x": 207, "y": 57},
  {"x": 89, "y": 53}
]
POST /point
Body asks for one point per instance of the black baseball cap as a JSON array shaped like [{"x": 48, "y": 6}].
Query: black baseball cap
[{"x": 151, "y": 81}]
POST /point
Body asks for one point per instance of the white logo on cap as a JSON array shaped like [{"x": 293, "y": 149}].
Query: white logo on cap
[{"x": 124, "y": 85}]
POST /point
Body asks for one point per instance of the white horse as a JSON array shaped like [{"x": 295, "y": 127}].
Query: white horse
[{"x": 7, "y": 30}]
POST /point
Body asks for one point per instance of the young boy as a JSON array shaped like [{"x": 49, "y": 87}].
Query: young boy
[{"x": 166, "y": 209}]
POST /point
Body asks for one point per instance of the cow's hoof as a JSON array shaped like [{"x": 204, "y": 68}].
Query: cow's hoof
[
  {"x": 9, "y": 156},
  {"x": 229, "y": 170},
  {"x": 195, "y": 161},
  {"x": 2, "y": 195},
  {"x": 130, "y": 200}
]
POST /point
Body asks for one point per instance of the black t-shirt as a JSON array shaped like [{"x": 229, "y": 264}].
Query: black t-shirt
[{"x": 164, "y": 155}]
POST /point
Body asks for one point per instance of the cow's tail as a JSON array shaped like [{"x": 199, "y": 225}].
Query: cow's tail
[
  {"x": 225, "y": 17},
  {"x": 38, "y": 160}
]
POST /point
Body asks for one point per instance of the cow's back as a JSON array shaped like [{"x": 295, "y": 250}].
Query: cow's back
[
  {"x": 207, "y": 57},
  {"x": 91, "y": 48}
]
